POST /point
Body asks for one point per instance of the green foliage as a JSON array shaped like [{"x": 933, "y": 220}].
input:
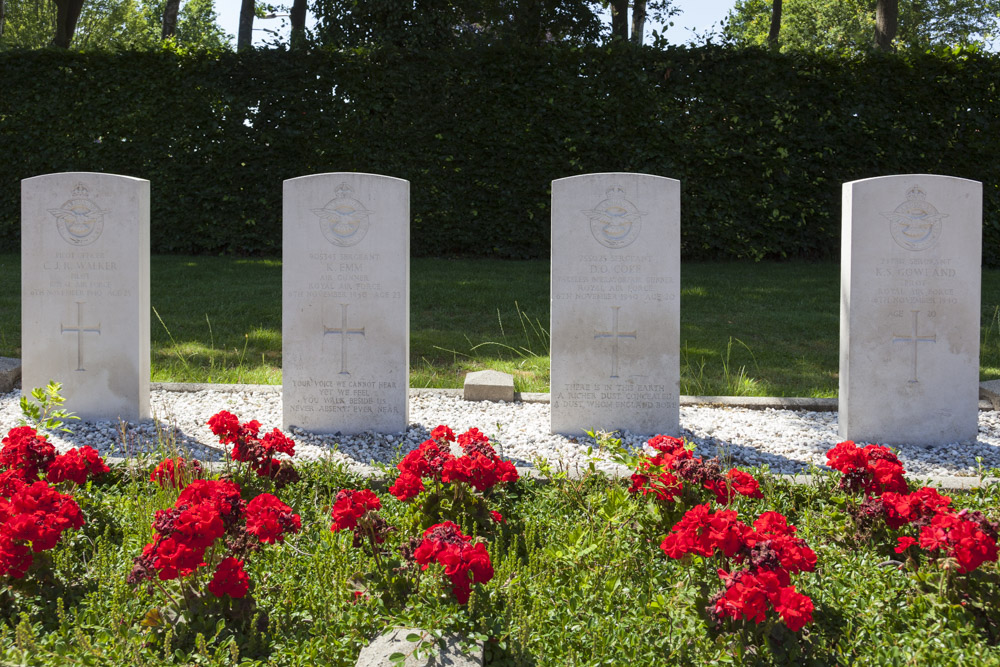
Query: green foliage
[
  {"x": 447, "y": 23},
  {"x": 849, "y": 25},
  {"x": 481, "y": 132},
  {"x": 42, "y": 411},
  {"x": 114, "y": 25}
]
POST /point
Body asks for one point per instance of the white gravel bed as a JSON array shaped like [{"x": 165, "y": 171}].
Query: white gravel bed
[{"x": 785, "y": 440}]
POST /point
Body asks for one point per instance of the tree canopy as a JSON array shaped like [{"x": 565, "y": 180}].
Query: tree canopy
[
  {"x": 849, "y": 25},
  {"x": 113, "y": 25}
]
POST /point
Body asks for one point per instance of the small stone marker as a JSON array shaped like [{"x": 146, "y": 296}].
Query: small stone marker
[
  {"x": 85, "y": 291},
  {"x": 417, "y": 654},
  {"x": 990, "y": 391},
  {"x": 489, "y": 385},
  {"x": 615, "y": 317},
  {"x": 909, "y": 309},
  {"x": 345, "y": 303},
  {"x": 10, "y": 373}
]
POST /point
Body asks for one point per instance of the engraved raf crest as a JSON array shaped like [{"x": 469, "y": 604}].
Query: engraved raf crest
[
  {"x": 616, "y": 221},
  {"x": 915, "y": 224},
  {"x": 79, "y": 221},
  {"x": 344, "y": 220}
]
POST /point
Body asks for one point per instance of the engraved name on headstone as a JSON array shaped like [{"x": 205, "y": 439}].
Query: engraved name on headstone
[
  {"x": 85, "y": 291},
  {"x": 345, "y": 303},
  {"x": 909, "y": 309},
  {"x": 615, "y": 315}
]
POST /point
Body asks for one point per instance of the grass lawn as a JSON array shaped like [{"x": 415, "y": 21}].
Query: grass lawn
[{"x": 755, "y": 329}]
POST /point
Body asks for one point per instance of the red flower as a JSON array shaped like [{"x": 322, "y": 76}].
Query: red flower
[
  {"x": 229, "y": 579},
  {"x": 406, "y": 486},
  {"x": 794, "y": 608},
  {"x": 269, "y": 519},
  {"x": 40, "y": 514},
  {"x": 443, "y": 434},
  {"x": 13, "y": 480},
  {"x": 199, "y": 526},
  {"x": 497, "y": 517},
  {"x": 25, "y": 449},
  {"x": 175, "y": 472},
  {"x": 15, "y": 557},
  {"x": 904, "y": 543},
  {"x": 690, "y": 534},
  {"x": 465, "y": 563},
  {"x": 873, "y": 469},
  {"x": 901, "y": 509},
  {"x": 221, "y": 495},
  {"x": 473, "y": 441},
  {"x": 350, "y": 506},
  {"x": 76, "y": 466}
]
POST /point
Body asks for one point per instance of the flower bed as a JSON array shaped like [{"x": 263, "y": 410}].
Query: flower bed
[{"x": 686, "y": 562}]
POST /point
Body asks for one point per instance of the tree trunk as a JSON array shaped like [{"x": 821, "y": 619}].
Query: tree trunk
[
  {"x": 170, "y": 18},
  {"x": 772, "y": 35},
  {"x": 298, "y": 18},
  {"x": 67, "y": 14},
  {"x": 3, "y": 16},
  {"x": 886, "y": 21},
  {"x": 619, "y": 19},
  {"x": 244, "y": 39},
  {"x": 638, "y": 20}
]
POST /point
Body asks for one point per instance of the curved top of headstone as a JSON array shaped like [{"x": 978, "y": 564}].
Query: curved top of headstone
[
  {"x": 82, "y": 174},
  {"x": 614, "y": 174},
  {"x": 874, "y": 179},
  {"x": 344, "y": 174}
]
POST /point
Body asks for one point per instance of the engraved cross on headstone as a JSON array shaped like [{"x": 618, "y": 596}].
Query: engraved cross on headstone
[
  {"x": 344, "y": 333},
  {"x": 915, "y": 338},
  {"x": 80, "y": 329},
  {"x": 614, "y": 335}
]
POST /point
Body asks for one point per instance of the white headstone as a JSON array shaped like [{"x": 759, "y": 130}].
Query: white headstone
[
  {"x": 345, "y": 314},
  {"x": 85, "y": 291},
  {"x": 909, "y": 309},
  {"x": 615, "y": 316}
]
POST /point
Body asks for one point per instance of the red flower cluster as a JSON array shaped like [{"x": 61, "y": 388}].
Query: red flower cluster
[
  {"x": 771, "y": 552},
  {"x": 268, "y": 519},
  {"x": 257, "y": 452},
  {"x": 445, "y": 544},
  {"x": 229, "y": 579},
  {"x": 663, "y": 473},
  {"x": 967, "y": 537},
  {"x": 33, "y": 515},
  {"x": 873, "y": 469},
  {"x": 917, "y": 507},
  {"x": 76, "y": 466},
  {"x": 205, "y": 511},
  {"x": 479, "y": 466},
  {"x": 175, "y": 472},
  {"x": 33, "y": 519},
  {"x": 25, "y": 455},
  {"x": 750, "y": 594},
  {"x": 356, "y": 511}
]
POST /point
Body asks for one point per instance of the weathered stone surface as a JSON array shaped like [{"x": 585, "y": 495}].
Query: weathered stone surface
[
  {"x": 85, "y": 291},
  {"x": 909, "y": 309},
  {"x": 449, "y": 654},
  {"x": 10, "y": 374},
  {"x": 990, "y": 391},
  {"x": 345, "y": 303},
  {"x": 615, "y": 316},
  {"x": 489, "y": 385}
]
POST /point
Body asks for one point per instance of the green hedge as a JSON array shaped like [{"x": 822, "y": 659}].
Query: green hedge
[{"x": 760, "y": 142}]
